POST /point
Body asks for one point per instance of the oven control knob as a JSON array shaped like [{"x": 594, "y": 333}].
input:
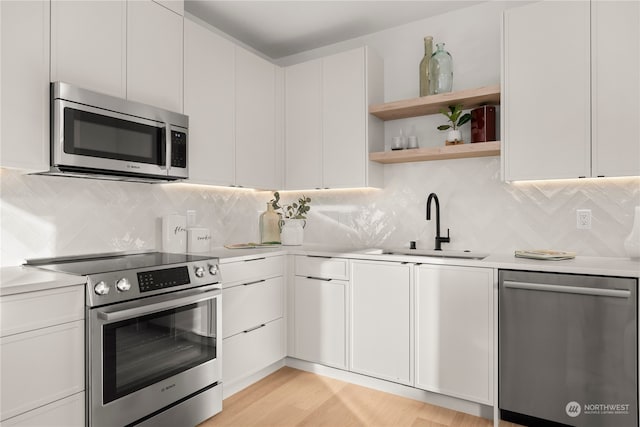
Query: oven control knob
[
  {"x": 101, "y": 288},
  {"x": 213, "y": 269},
  {"x": 123, "y": 284},
  {"x": 199, "y": 272}
]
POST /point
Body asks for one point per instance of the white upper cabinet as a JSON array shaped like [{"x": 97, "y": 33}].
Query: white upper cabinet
[
  {"x": 154, "y": 55},
  {"x": 615, "y": 41},
  {"x": 257, "y": 153},
  {"x": 546, "y": 91},
  {"x": 209, "y": 97},
  {"x": 88, "y": 45},
  {"x": 24, "y": 59},
  {"x": 329, "y": 133},
  {"x": 303, "y": 125},
  {"x": 570, "y": 97}
]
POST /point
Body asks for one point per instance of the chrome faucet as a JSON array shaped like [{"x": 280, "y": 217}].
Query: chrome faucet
[{"x": 439, "y": 240}]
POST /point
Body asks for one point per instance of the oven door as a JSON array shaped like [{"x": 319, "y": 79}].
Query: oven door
[
  {"x": 103, "y": 140},
  {"x": 148, "y": 354}
]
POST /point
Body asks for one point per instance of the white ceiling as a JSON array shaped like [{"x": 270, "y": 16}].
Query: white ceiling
[{"x": 283, "y": 28}]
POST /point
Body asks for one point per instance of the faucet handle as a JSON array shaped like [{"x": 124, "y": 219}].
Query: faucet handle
[{"x": 446, "y": 239}]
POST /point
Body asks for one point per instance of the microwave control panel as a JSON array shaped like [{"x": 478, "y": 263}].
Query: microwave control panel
[{"x": 178, "y": 149}]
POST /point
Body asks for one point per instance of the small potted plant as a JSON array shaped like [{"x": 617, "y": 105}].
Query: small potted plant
[
  {"x": 294, "y": 218},
  {"x": 454, "y": 136}
]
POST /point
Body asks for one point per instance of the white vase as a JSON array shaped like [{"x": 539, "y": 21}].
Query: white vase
[
  {"x": 632, "y": 242},
  {"x": 454, "y": 136},
  {"x": 292, "y": 232}
]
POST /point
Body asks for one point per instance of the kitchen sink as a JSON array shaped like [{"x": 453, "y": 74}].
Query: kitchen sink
[{"x": 428, "y": 253}]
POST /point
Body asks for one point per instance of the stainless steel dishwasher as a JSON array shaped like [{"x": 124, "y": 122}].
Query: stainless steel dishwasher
[{"x": 568, "y": 349}]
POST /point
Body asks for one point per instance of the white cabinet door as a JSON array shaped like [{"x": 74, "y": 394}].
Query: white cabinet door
[
  {"x": 88, "y": 45},
  {"x": 67, "y": 412},
  {"x": 247, "y": 353},
  {"x": 248, "y": 306},
  {"x": 209, "y": 100},
  {"x": 615, "y": 45},
  {"x": 303, "y": 127},
  {"x": 256, "y": 151},
  {"x": 154, "y": 55},
  {"x": 344, "y": 110},
  {"x": 321, "y": 321},
  {"x": 454, "y": 331},
  {"x": 40, "y": 367},
  {"x": 546, "y": 91},
  {"x": 381, "y": 320},
  {"x": 24, "y": 58}
]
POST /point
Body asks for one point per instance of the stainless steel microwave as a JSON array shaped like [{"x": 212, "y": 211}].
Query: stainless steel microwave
[{"x": 100, "y": 136}]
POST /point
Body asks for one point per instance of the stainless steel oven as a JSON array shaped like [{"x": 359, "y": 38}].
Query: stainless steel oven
[{"x": 153, "y": 338}]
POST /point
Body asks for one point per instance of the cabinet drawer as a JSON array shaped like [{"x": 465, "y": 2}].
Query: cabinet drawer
[
  {"x": 247, "y": 306},
  {"x": 40, "y": 367},
  {"x": 34, "y": 310},
  {"x": 236, "y": 273},
  {"x": 67, "y": 412},
  {"x": 323, "y": 268},
  {"x": 247, "y": 353}
]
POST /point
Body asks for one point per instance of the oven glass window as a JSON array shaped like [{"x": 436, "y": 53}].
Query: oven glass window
[
  {"x": 144, "y": 350},
  {"x": 96, "y": 135}
]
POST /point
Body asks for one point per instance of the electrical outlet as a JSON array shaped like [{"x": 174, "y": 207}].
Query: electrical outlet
[{"x": 583, "y": 219}]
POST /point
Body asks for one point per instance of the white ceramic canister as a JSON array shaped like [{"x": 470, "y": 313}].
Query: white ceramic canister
[
  {"x": 174, "y": 233},
  {"x": 198, "y": 239}
]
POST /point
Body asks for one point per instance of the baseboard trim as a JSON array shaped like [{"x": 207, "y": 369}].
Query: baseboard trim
[
  {"x": 460, "y": 405},
  {"x": 229, "y": 390}
]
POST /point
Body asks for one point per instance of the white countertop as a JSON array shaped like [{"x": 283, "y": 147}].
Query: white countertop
[
  {"x": 604, "y": 266},
  {"x": 28, "y": 279},
  {"x": 15, "y": 280}
]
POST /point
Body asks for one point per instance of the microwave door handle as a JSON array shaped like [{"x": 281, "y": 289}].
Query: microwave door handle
[{"x": 168, "y": 144}]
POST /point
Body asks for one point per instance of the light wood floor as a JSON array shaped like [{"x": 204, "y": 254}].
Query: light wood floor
[{"x": 290, "y": 397}]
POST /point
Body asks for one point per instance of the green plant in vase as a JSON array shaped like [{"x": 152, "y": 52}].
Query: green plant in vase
[{"x": 456, "y": 119}]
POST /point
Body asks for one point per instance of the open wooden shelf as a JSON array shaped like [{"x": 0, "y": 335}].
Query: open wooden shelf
[
  {"x": 431, "y": 104},
  {"x": 461, "y": 151}
]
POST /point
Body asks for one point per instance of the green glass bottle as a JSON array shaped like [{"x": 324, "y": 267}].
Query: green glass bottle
[{"x": 424, "y": 66}]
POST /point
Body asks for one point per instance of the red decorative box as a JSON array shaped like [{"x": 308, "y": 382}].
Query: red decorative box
[{"x": 483, "y": 124}]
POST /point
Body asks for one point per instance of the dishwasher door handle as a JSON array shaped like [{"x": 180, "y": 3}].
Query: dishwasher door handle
[{"x": 598, "y": 292}]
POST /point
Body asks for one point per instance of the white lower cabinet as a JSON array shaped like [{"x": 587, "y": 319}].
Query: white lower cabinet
[
  {"x": 320, "y": 327},
  {"x": 252, "y": 316},
  {"x": 42, "y": 358},
  {"x": 454, "y": 331},
  {"x": 248, "y": 352},
  {"x": 67, "y": 412},
  {"x": 251, "y": 304},
  {"x": 381, "y": 320}
]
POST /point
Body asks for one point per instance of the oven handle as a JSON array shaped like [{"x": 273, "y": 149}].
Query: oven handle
[{"x": 128, "y": 313}]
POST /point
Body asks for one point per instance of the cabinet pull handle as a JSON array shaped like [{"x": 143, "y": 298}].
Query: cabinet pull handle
[
  {"x": 254, "y": 282},
  {"x": 253, "y": 329},
  {"x": 254, "y": 259},
  {"x": 319, "y": 256},
  {"x": 319, "y": 278}
]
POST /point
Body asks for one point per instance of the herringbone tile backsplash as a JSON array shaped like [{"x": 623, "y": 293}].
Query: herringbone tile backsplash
[{"x": 52, "y": 216}]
